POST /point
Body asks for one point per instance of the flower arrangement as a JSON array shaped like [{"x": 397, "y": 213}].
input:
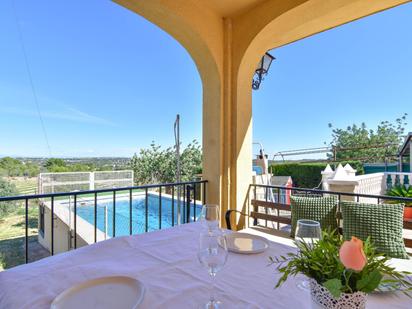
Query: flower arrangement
[{"x": 342, "y": 267}]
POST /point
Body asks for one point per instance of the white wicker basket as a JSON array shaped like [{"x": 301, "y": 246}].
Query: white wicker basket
[{"x": 322, "y": 297}]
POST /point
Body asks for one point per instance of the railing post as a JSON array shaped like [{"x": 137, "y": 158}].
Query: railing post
[
  {"x": 26, "y": 239},
  {"x": 52, "y": 225},
  {"x": 95, "y": 217},
  {"x": 91, "y": 180},
  {"x": 194, "y": 202},
  {"x": 183, "y": 213},
  {"x": 114, "y": 214},
  {"x": 278, "y": 211},
  {"x": 75, "y": 221},
  {"x": 179, "y": 210},
  {"x": 173, "y": 205},
  {"x": 255, "y": 208},
  {"x": 106, "y": 222},
  {"x": 146, "y": 206},
  {"x": 130, "y": 211},
  {"x": 160, "y": 207},
  {"x": 204, "y": 193},
  {"x": 266, "y": 199},
  {"x": 188, "y": 189}
]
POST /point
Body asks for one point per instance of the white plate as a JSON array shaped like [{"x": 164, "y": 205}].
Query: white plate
[
  {"x": 246, "y": 243},
  {"x": 387, "y": 288},
  {"x": 392, "y": 287},
  {"x": 104, "y": 293}
]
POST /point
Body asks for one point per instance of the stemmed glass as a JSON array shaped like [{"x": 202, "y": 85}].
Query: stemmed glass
[
  {"x": 212, "y": 254},
  {"x": 308, "y": 232},
  {"x": 210, "y": 216}
]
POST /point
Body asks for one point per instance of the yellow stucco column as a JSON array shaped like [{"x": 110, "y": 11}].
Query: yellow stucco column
[{"x": 226, "y": 39}]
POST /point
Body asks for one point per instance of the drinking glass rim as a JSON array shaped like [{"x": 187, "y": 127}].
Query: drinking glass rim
[
  {"x": 214, "y": 233},
  {"x": 308, "y": 222}
]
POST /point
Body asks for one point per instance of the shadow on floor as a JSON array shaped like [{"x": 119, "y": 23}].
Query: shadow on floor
[
  {"x": 33, "y": 223},
  {"x": 12, "y": 251}
]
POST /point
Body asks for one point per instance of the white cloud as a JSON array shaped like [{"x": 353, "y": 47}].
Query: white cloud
[
  {"x": 70, "y": 114},
  {"x": 50, "y": 107}
]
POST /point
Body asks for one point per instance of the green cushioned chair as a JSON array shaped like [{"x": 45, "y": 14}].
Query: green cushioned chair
[
  {"x": 321, "y": 209},
  {"x": 383, "y": 223}
]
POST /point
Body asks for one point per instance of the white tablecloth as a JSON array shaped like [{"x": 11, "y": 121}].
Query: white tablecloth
[{"x": 165, "y": 261}]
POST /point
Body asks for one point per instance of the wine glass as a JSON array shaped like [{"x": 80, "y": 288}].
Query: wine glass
[
  {"x": 308, "y": 232},
  {"x": 212, "y": 254},
  {"x": 210, "y": 216}
]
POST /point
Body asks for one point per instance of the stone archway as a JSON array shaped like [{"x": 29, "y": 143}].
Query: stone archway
[{"x": 226, "y": 39}]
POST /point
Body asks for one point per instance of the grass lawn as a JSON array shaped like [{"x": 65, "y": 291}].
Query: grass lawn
[
  {"x": 12, "y": 232},
  {"x": 24, "y": 185}
]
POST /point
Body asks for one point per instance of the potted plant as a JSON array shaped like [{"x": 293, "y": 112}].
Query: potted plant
[
  {"x": 402, "y": 191},
  {"x": 341, "y": 273}
]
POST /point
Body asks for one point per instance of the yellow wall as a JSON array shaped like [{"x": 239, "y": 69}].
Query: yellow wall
[{"x": 226, "y": 39}]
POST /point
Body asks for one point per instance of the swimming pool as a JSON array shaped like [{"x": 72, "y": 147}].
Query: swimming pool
[{"x": 122, "y": 216}]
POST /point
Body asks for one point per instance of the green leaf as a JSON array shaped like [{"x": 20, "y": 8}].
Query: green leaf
[
  {"x": 334, "y": 286},
  {"x": 369, "y": 282}
]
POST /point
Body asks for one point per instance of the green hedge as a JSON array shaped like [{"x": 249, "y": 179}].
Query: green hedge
[{"x": 307, "y": 175}]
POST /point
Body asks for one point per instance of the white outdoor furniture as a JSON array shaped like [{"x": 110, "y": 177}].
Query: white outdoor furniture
[{"x": 165, "y": 261}]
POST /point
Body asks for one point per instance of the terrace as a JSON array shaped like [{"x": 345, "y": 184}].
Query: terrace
[{"x": 226, "y": 39}]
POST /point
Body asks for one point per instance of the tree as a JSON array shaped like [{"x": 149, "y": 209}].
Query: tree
[
  {"x": 54, "y": 165},
  {"x": 7, "y": 189},
  {"x": 11, "y": 167},
  {"x": 31, "y": 170},
  {"x": 157, "y": 165},
  {"x": 54, "y": 162},
  {"x": 191, "y": 161},
  {"x": 388, "y": 136}
]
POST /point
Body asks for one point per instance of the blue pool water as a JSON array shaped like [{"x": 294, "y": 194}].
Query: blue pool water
[{"x": 138, "y": 214}]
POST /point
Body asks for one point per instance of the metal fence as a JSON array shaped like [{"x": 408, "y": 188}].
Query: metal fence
[
  {"x": 81, "y": 181},
  {"x": 182, "y": 196},
  {"x": 266, "y": 206}
]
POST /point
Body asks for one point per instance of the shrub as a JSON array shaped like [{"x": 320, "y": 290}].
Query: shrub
[
  {"x": 400, "y": 191},
  {"x": 157, "y": 165},
  {"x": 307, "y": 175},
  {"x": 7, "y": 189}
]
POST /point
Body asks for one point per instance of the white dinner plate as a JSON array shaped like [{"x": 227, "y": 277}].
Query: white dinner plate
[
  {"x": 118, "y": 292},
  {"x": 246, "y": 243}
]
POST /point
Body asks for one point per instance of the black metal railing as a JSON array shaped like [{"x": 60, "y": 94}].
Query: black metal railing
[
  {"x": 276, "y": 198},
  {"x": 339, "y": 194},
  {"x": 184, "y": 197}
]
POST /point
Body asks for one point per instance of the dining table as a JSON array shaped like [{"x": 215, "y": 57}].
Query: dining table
[{"x": 165, "y": 261}]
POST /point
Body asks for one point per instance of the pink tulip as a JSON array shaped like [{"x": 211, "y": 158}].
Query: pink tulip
[{"x": 351, "y": 254}]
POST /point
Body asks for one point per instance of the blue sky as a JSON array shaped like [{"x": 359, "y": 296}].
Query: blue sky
[{"x": 109, "y": 82}]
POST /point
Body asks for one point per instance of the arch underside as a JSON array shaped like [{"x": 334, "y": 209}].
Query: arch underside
[{"x": 226, "y": 49}]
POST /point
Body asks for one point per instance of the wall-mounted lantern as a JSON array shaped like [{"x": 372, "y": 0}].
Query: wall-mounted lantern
[{"x": 261, "y": 70}]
